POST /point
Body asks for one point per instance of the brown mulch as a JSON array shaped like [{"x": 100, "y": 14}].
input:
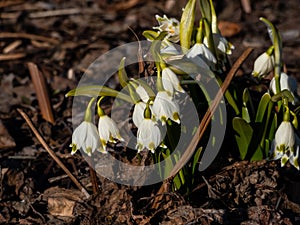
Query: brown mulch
[{"x": 62, "y": 38}]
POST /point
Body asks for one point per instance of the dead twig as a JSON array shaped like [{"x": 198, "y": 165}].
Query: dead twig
[
  {"x": 29, "y": 36},
  {"x": 202, "y": 127},
  {"x": 52, "y": 13},
  {"x": 10, "y": 3},
  {"x": 93, "y": 175},
  {"x": 52, "y": 153},
  {"x": 5, "y": 57}
]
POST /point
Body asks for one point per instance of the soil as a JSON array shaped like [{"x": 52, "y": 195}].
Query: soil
[{"x": 59, "y": 40}]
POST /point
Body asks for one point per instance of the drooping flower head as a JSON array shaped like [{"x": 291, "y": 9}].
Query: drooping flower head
[
  {"x": 85, "y": 136},
  {"x": 286, "y": 83},
  {"x": 283, "y": 146},
  {"x": 264, "y": 64},
  {"x": 200, "y": 50},
  {"x": 108, "y": 129},
  {"x": 164, "y": 107},
  {"x": 170, "y": 81},
  {"x": 148, "y": 134}
]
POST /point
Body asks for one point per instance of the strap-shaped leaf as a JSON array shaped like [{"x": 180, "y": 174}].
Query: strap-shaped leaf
[
  {"x": 262, "y": 107},
  {"x": 187, "y": 24},
  {"x": 244, "y": 135},
  {"x": 98, "y": 90}
]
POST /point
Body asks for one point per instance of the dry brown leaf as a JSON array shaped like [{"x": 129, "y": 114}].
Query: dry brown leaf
[
  {"x": 41, "y": 92},
  {"x": 6, "y": 141},
  {"x": 61, "y": 201},
  {"x": 228, "y": 29}
]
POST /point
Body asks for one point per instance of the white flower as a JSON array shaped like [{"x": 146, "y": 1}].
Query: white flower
[
  {"x": 164, "y": 107},
  {"x": 171, "y": 26},
  {"x": 108, "y": 130},
  {"x": 86, "y": 137},
  {"x": 170, "y": 81},
  {"x": 286, "y": 83},
  {"x": 138, "y": 113},
  {"x": 148, "y": 135},
  {"x": 222, "y": 45},
  {"x": 142, "y": 93},
  {"x": 283, "y": 145},
  {"x": 197, "y": 60},
  {"x": 200, "y": 50},
  {"x": 263, "y": 65}
]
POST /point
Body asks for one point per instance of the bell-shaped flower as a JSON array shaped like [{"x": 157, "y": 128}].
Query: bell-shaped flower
[
  {"x": 140, "y": 90},
  {"x": 222, "y": 45},
  {"x": 171, "y": 26},
  {"x": 164, "y": 107},
  {"x": 200, "y": 50},
  {"x": 108, "y": 130},
  {"x": 263, "y": 65},
  {"x": 283, "y": 146},
  {"x": 86, "y": 138},
  {"x": 286, "y": 83},
  {"x": 138, "y": 113},
  {"x": 170, "y": 81},
  {"x": 148, "y": 135}
]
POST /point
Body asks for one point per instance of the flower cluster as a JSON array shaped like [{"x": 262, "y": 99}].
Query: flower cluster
[
  {"x": 283, "y": 88},
  {"x": 154, "y": 109},
  {"x": 148, "y": 115},
  {"x": 89, "y": 138}
]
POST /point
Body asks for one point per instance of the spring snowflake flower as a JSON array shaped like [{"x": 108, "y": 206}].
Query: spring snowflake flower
[
  {"x": 286, "y": 83},
  {"x": 170, "y": 81},
  {"x": 203, "y": 52},
  {"x": 142, "y": 93},
  {"x": 283, "y": 145},
  {"x": 108, "y": 130},
  {"x": 171, "y": 26},
  {"x": 138, "y": 113},
  {"x": 164, "y": 107},
  {"x": 148, "y": 135},
  {"x": 222, "y": 45},
  {"x": 86, "y": 137},
  {"x": 263, "y": 65}
]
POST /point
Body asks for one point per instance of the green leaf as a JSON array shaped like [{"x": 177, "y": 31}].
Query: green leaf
[
  {"x": 205, "y": 10},
  {"x": 245, "y": 114},
  {"x": 244, "y": 135},
  {"x": 196, "y": 159},
  {"x": 232, "y": 102},
  {"x": 168, "y": 163},
  {"x": 273, "y": 128},
  {"x": 98, "y": 90},
  {"x": 177, "y": 182},
  {"x": 181, "y": 172},
  {"x": 258, "y": 154},
  {"x": 246, "y": 101},
  {"x": 122, "y": 75},
  {"x": 262, "y": 107},
  {"x": 187, "y": 24}
]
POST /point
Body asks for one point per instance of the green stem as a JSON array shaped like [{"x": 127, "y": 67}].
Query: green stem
[{"x": 88, "y": 111}]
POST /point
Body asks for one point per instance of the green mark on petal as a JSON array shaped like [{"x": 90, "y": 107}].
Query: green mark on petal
[
  {"x": 176, "y": 117},
  {"x": 284, "y": 160}
]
